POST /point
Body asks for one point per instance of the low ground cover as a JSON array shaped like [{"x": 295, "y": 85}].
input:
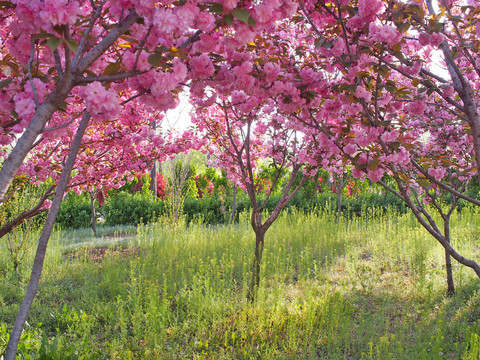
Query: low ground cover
[{"x": 371, "y": 287}]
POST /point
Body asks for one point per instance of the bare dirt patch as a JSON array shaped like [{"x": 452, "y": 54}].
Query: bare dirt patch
[{"x": 99, "y": 254}]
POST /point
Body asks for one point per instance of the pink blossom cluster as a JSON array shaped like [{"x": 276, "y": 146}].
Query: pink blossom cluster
[{"x": 101, "y": 103}]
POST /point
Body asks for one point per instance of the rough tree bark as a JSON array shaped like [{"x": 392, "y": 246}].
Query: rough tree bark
[
  {"x": 43, "y": 242},
  {"x": 93, "y": 194},
  {"x": 448, "y": 260},
  {"x": 257, "y": 261}
]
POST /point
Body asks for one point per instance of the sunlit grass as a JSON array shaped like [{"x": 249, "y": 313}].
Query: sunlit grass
[{"x": 367, "y": 288}]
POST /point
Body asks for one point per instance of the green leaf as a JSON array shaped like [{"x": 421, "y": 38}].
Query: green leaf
[
  {"x": 53, "y": 43},
  {"x": 5, "y": 82},
  {"x": 319, "y": 41},
  {"x": 155, "y": 59},
  {"x": 216, "y": 8},
  {"x": 228, "y": 19},
  {"x": 111, "y": 68},
  {"x": 62, "y": 106},
  {"x": 58, "y": 29},
  {"x": 390, "y": 88},
  {"x": 241, "y": 14},
  {"x": 327, "y": 44},
  {"x": 383, "y": 70},
  {"x": 10, "y": 64},
  {"x": 72, "y": 44},
  {"x": 252, "y": 22},
  {"x": 43, "y": 35},
  {"x": 374, "y": 164}
]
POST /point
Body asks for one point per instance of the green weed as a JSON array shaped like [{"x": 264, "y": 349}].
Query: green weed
[{"x": 370, "y": 287}]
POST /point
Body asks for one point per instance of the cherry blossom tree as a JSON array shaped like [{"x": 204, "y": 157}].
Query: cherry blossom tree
[
  {"x": 245, "y": 112},
  {"x": 390, "y": 110},
  {"x": 58, "y": 56}
]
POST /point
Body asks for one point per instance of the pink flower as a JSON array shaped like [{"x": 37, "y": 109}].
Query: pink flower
[
  {"x": 17, "y": 129},
  {"x": 238, "y": 96},
  {"x": 100, "y": 102},
  {"x": 438, "y": 174},
  {"x": 376, "y": 175},
  {"x": 417, "y": 107},
  {"x": 436, "y": 39},
  {"x": 205, "y": 22},
  {"x": 201, "y": 66},
  {"x": 244, "y": 34},
  {"x": 5, "y": 139},
  {"x": 24, "y": 107},
  {"x": 60, "y": 12},
  {"x": 367, "y": 11},
  {"x": 271, "y": 71},
  {"x": 350, "y": 149},
  {"x": 165, "y": 20},
  {"x": 449, "y": 91},
  {"x": 229, "y": 4},
  {"x": 40, "y": 87},
  {"x": 389, "y": 136},
  {"x": 265, "y": 10},
  {"x": 424, "y": 39},
  {"x": 357, "y": 173},
  {"x": 387, "y": 34},
  {"x": 47, "y": 204},
  {"x": 339, "y": 47},
  {"x": 179, "y": 70},
  {"x": 361, "y": 93}
]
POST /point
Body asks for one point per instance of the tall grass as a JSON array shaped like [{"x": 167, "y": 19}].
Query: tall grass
[{"x": 371, "y": 287}]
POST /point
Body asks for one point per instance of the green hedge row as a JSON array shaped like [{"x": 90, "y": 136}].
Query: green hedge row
[{"x": 125, "y": 208}]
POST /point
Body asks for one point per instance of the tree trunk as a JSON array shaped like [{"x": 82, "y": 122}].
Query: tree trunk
[
  {"x": 339, "y": 201},
  {"x": 24, "y": 144},
  {"x": 153, "y": 180},
  {"x": 257, "y": 262},
  {"x": 43, "y": 242},
  {"x": 448, "y": 260},
  {"x": 94, "y": 214},
  {"x": 153, "y": 172},
  {"x": 234, "y": 203}
]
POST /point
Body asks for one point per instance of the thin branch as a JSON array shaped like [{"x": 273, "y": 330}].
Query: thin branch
[
  {"x": 30, "y": 77},
  {"x": 109, "y": 78},
  {"x": 107, "y": 41},
  {"x": 134, "y": 97},
  {"x": 68, "y": 54},
  {"x": 83, "y": 40},
  {"x": 194, "y": 38},
  {"x": 286, "y": 197},
  {"x": 37, "y": 209},
  {"x": 140, "y": 47},
  {"x": 58, "y": 63},
  {"x": 443, "y": 185}
]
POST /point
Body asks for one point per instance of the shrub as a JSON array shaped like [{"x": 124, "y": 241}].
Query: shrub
[
  {"x": 75, "y": 211},
  {"x": 124, "y": 208}
]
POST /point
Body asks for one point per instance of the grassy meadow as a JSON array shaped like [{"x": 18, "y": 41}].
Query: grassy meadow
[{"x": 372, "y": 287}]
